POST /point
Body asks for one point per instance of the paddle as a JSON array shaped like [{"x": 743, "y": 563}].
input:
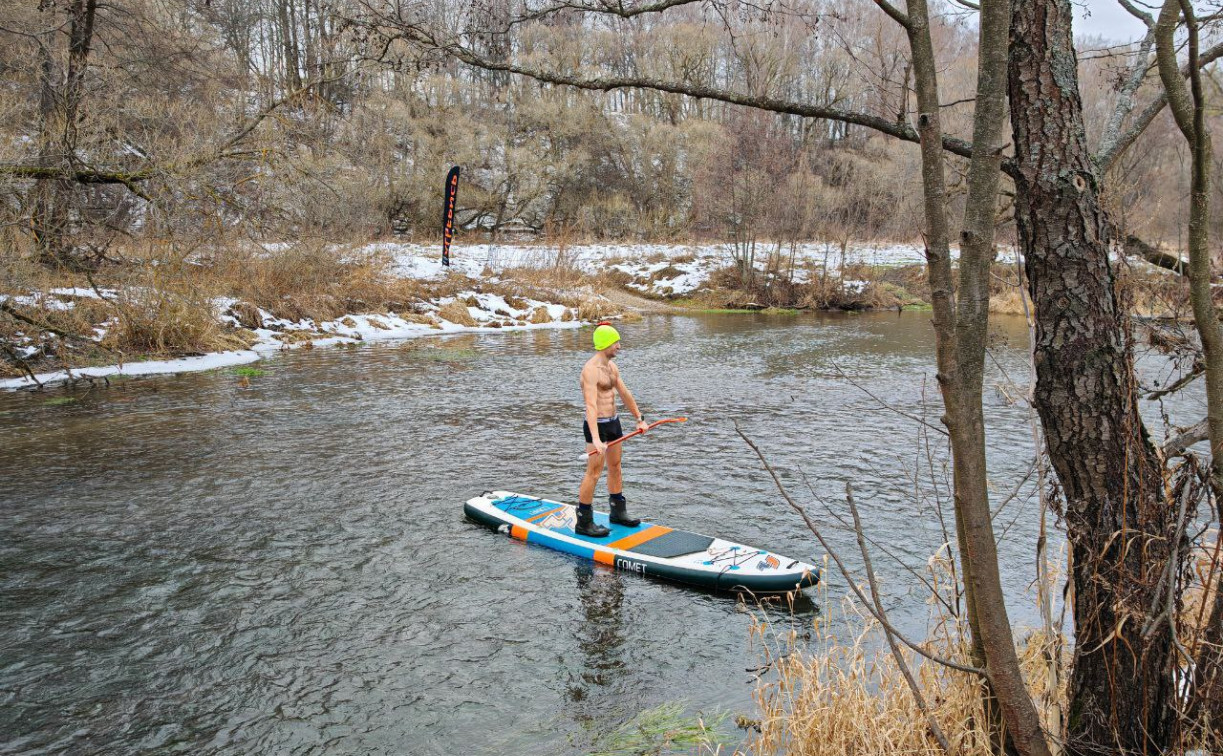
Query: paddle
[{"x": 626, "y": 437}]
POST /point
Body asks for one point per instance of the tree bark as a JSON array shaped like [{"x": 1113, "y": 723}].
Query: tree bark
[
  {"x": 1120, "y": 525},
  {"x": 938, "y": 261}
]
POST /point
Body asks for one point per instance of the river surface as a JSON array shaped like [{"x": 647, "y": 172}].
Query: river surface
[{"x": 188, "y": 564}]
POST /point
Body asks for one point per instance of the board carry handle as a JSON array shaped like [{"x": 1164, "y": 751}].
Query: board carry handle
[{"x": 651, "y": 426}]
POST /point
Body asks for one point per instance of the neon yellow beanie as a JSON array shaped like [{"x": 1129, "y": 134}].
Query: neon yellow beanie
[{"x": 605, "y": 336}]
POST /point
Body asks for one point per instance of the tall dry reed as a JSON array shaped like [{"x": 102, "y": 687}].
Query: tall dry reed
[{"x": 835, "y": 695}]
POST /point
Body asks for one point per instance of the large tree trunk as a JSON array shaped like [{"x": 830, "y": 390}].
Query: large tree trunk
[{"x": 1119, "y": 522}]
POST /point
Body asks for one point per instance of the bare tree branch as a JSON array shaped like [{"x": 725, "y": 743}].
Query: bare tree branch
[
  {"x": 900, "y": 660},
  {"x": 132, "y": 179},
  {"x": 897, "y": 15},
  {"x": 21, "y": 364},
  {"x": 1125, "y": 98},
  {"x": 1177, "y": 445},
  {"x": 1198, "y": 370},
  {"x": 1106, "y": 158},
  {"x": 1138, "y": 13},
  {"x": 885, "y": 405},
  {"x": 417, "y": 34},
  {"x": 17, "y": 315},
  {"x": 612, "y": 7},
  {"x": 1137, "y": 247},
  {"x": 882, "y": 619}
]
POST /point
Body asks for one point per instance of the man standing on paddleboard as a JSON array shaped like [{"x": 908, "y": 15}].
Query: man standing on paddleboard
[{"x": 600, "y": 383}]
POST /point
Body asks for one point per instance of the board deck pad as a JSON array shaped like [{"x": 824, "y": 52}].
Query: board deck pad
[
  {"x": 647, "y": 548},
  {"x": 673, "y": 544}
]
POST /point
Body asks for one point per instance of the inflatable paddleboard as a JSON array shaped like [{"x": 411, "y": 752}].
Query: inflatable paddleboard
[{"x": 647, "y": 549}]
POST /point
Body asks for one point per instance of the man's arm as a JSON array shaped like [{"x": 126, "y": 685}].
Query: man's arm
[
  {"x": 630, "y": 403},
  {"x": 590, "y": 395}
]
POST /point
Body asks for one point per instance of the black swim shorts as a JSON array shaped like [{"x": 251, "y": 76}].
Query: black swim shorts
[{"x": 609, "y": 430}]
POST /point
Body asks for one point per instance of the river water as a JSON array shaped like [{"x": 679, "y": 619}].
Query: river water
[{"x": 191, "y": 565}]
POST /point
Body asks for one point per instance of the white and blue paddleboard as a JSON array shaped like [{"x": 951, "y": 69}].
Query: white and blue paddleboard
[{"x": 646, "y": 549}]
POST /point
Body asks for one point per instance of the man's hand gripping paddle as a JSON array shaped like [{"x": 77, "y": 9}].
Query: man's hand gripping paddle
[{"x": 626, "y": 437}]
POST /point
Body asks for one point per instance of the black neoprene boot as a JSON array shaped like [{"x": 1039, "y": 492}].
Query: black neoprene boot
[
  {"x": 587, "y": 526},
  {"x": 619, "y": 511}
]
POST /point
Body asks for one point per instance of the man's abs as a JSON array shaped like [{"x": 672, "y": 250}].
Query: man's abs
[{"x": 605, "y": 388}]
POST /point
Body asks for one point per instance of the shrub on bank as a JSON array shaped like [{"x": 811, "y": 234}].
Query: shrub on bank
[{"x": 859, "y": 289}]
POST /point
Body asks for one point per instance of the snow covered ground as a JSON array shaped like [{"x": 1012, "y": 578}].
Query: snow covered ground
[
  {"x": 148, "y": 367},
  {"x": 491, "y": 312},
  {"x": 657, "y": 269}
]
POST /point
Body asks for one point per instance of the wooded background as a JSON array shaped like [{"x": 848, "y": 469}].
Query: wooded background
[{"x": 212, "y": 119}]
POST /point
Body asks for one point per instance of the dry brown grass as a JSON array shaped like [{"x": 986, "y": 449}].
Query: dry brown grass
[
  {"x": 456, "y": 312},
  {"x": 166, "y": 295},
  {"x": 424, "y": 319},
  {"x": 546, "y": 276},
  {"x": 316, "y": 281},
  {"x": 1012, "y": 301},
  {"x": 731, "y": 291},
  {"x": 144, "y": 308},
  {"x": 1200, "y": 594},
  {"x": 595, "y": 308},
  {"x": 838, "y": 696},
  {"x": 169, "y": 322},
  {"x": 849, "y": 697}
]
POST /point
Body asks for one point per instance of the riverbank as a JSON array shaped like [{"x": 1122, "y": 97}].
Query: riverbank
[{"x": 161, "y": 311}]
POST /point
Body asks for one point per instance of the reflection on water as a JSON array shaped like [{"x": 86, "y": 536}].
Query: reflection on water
[
  {"x": 601, "y": 637},
  {"x": 191, "y": 564}
]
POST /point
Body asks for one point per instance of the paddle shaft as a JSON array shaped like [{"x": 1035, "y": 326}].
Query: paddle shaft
[{"x": 627, "y": 436}]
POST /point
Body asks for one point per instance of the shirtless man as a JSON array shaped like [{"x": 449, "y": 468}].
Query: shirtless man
[{"x": 600, "y": 383}]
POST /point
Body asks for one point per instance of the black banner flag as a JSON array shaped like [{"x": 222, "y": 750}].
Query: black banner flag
[{"x": 452, "y": 190}]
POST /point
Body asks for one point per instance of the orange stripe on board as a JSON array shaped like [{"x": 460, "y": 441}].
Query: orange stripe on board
[
  {"x": 605, "y": 557},
  {"x": 640, "y": 537},
  {"x": 542, "y": 515},
  {"x": 519, "y": 532}
]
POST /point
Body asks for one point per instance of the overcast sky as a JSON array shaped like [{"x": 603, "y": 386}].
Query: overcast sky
[{"x": 1106, "y": 18}]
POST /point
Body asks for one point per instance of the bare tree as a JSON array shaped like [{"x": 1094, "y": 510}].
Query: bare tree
[
  {"x": 960, "y": 326},
  {"x": 1121, "y": 527},
  {"x": 1120, "y": 524},
  {"x": 1188, "y": 106},
  {"x": 61, "y": 83}
]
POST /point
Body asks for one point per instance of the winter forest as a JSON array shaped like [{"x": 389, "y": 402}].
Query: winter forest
[{"x": 189, "y": 120}]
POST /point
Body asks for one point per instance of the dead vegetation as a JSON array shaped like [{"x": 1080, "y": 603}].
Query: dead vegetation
[
  {"x": 837, "y": 696},
  {"x": 162, "y": 300},
  {"x": 842, "y": 696}
]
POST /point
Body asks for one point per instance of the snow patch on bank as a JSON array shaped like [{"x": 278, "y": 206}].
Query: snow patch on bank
[
  {"x": 491, "y": 314},
  {"x": 149, "y": 367},
  {"x": 663, "y": 270}
]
